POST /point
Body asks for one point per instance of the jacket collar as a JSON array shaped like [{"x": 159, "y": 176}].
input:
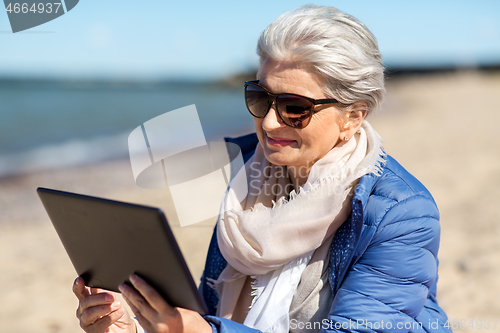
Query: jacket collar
[
  {"x": 364, "y": 188},
  {"x": 353, "y": 236}
]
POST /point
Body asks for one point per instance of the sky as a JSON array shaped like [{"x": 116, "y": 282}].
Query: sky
[{"x": 161, "y": 39}]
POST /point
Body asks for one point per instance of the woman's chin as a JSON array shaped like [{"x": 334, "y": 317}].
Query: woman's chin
[{"x": 278, "y": 157}]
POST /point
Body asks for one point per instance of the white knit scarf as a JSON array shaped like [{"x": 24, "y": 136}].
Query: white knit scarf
[{"x": 272, "y": 237}]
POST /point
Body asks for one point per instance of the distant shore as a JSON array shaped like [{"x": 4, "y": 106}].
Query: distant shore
[{"x": 234, "y": 80}]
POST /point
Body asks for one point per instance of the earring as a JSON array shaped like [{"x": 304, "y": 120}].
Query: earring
[{"x": 346, "y": 138}]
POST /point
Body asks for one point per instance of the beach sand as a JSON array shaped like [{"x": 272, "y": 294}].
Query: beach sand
[{"x": 440, "y": 127}]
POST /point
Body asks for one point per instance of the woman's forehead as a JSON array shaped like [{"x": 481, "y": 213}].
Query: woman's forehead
[{"x": 284, "y": 77}]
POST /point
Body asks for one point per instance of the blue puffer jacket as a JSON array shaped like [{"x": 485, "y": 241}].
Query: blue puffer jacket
[{"x": 383, "y": 259}]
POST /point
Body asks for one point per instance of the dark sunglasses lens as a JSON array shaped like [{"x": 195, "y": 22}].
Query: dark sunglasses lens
[
  {"x": 294, "y": 110},
  {"x": 257, "y": 100}
]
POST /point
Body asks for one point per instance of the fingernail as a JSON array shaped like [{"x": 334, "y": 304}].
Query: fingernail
[
  {"x": 133, "y": 278},
  {"x": 122, "y": 287},
  {"x": 109, "y": 298}
]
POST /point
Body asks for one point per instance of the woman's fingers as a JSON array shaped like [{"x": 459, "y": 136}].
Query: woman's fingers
[
  {"x": 103, "y": 323},
  {"x": 155, "y": 314},
  {"x": 100, "y": 311},
  {"x": 79, "y": 288},
  {"x": 93, "y": 305},
  {"x": 93, "y": 314},
  {"x": 154, "y": 299},
  {"x": 94, "y": 300},
  {"x": 137, "y": 302}
]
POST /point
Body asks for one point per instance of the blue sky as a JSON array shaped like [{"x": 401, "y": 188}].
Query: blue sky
[{"x": 212, "y": 39}]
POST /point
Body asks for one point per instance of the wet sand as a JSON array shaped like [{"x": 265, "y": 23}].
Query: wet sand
[{"x": 442, "y": 128}]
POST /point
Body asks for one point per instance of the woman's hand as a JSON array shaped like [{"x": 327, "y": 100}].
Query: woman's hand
[
  {"x": 100, "y": 312},
  {"x": 157, "y": 316}
]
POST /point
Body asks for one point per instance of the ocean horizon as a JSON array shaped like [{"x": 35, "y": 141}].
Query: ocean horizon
[{"x": 47, "y": 124}]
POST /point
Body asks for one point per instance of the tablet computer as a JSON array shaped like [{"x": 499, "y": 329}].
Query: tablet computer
[{"x": 108, "y": 240}]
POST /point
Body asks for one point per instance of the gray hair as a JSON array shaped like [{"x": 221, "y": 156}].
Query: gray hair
[{"x": 335, "y": 46}]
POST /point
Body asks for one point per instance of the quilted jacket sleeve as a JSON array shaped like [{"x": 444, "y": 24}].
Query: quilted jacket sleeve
[{"x": 386, "y": 289}]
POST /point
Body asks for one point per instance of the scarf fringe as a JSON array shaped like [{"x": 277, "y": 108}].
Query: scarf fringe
[
  {"x": 256, "y": 290},
  {"x": 376, "y": 169},
  {"x": 211, "y": 283}
]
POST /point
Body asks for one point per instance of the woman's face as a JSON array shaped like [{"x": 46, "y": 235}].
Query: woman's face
[{"x": 284, "y": 145}]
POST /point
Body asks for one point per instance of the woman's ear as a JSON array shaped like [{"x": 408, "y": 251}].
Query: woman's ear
[{"x": 353, "y": 118}]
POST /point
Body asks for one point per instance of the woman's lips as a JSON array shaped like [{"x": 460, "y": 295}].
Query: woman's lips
[{"x": 279, "y": 142}]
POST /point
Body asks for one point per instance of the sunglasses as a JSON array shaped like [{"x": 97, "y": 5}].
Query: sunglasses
[{"x": 294, "y": 110}]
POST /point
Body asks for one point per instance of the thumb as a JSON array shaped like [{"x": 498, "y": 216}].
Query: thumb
[{"x": 79, "y": 288}]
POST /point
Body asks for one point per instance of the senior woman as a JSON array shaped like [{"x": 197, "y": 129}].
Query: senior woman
[{"x": 333, "y": 235}]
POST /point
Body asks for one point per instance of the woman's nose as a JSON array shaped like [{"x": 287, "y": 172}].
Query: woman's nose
[{"x": 272, "y": 120}]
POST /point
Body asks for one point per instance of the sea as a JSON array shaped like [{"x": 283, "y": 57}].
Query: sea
[{"x": 56, "y": 124}]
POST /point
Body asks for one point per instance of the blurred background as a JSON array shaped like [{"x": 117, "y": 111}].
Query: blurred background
[{"x": 72, "y": 90}]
